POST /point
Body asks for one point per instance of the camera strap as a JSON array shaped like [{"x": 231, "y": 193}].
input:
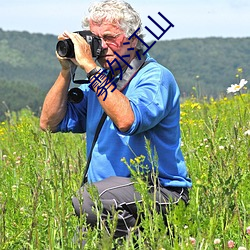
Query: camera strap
[
  {"x": 97, "y": 132},
  {"x": 127, "y": 77}
]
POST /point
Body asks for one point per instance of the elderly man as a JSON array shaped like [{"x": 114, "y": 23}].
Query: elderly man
[{"x": 141, "y": 105}]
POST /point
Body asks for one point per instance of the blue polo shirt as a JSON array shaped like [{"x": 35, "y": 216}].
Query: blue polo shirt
[{"x": 154, "y": 97}]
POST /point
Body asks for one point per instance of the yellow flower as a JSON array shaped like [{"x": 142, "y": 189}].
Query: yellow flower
[
  {"x": 240, "y": 70},
  {"x": 138, "y": 160},
  {"x": 195, "y": 105},
  {"x": 183, "y": 113},
  {"x": 132, "y": 162}
]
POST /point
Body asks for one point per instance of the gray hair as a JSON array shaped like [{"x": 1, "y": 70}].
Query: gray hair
[{"x": 118, "y": 12}]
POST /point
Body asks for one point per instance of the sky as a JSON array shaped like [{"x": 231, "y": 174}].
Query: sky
[{"x": 191, "y": 18}]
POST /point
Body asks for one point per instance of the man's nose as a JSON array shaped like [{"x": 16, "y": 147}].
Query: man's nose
[{"x": 104, "y": 44}]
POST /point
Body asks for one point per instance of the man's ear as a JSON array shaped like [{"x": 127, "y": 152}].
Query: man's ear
[{"x": 134, "y": 42}]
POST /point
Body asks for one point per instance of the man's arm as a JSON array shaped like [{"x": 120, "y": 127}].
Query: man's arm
[
  {"x": 55, "y": 103},
  {"x": 116, "y": 105}
]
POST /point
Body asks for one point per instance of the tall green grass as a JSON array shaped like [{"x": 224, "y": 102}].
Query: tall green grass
[{"x": 40, "y": 172}]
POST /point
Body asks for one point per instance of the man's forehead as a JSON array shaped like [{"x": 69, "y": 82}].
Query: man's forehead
[{"x": 104, "y": 26}]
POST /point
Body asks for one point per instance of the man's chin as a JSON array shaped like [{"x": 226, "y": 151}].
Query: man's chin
[{"x": 103, "y": 62}]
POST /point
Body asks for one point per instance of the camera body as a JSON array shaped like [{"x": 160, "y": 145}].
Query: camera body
[{"x": 65, "y": 48}]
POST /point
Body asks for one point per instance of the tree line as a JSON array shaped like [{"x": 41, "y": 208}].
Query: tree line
[{"x": 202, "y": 67}]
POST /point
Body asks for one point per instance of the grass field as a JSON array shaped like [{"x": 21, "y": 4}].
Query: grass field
[{"x": 40, "y": 172}]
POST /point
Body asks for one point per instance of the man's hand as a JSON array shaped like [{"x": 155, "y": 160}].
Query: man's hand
[
  {"x": 83, "y": 54},
  {"x": 66, "y": 63}
]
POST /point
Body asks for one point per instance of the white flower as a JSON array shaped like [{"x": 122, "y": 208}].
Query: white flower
[
  {"x": 192, "y": 240},
  {"x": 242, "y": 248},
  {"x": 221, "y": 147},
  {"x": 237, "y": 87},
  {"x": 246, "y": 133},
  {"x": 217, "y": 241},
  {"x": 22, "y": 210}
]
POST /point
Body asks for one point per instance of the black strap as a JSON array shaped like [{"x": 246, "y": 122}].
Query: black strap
[{"x": 97, "y": 132}]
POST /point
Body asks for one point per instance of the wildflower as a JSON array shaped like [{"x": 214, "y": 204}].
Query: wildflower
[
  {"x": 237, "y": 87},
  {"x": 123, "y": 159},
  {"x": 240, "y": 70},
  {"x": 14, "y": 188},
  {"x": 221, "y": 147},
  {"x": 71, "y": 167},
  {"x": 247, "y": 133},
  {"x": 230, "y": 244},
  {"x": 242, "y": 248},
  {"x": 248, "y": 230},
  {"x": 137, "y": 159},
  {"x": 195, "y": 105},
  {"x": 45, "y": 216},
  {"x": 216, "y": 241},
  {"x": 132, "y": 162},
  {"x": 22, "y": 210},
  {"x": 192, "y": 240},
  {"x": 198, "y": 182}
]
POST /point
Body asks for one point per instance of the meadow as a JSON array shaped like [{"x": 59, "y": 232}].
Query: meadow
[{"x": 40, "y": 172}]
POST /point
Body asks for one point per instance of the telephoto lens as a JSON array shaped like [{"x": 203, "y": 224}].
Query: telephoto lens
[{"x": 65, "y": 48}]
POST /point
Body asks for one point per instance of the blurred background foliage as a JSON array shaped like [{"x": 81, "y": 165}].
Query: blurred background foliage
[{"x": 202, "y": 67}]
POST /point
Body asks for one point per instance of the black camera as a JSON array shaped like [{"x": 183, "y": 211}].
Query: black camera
[{"x": 65, "y": 48}]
